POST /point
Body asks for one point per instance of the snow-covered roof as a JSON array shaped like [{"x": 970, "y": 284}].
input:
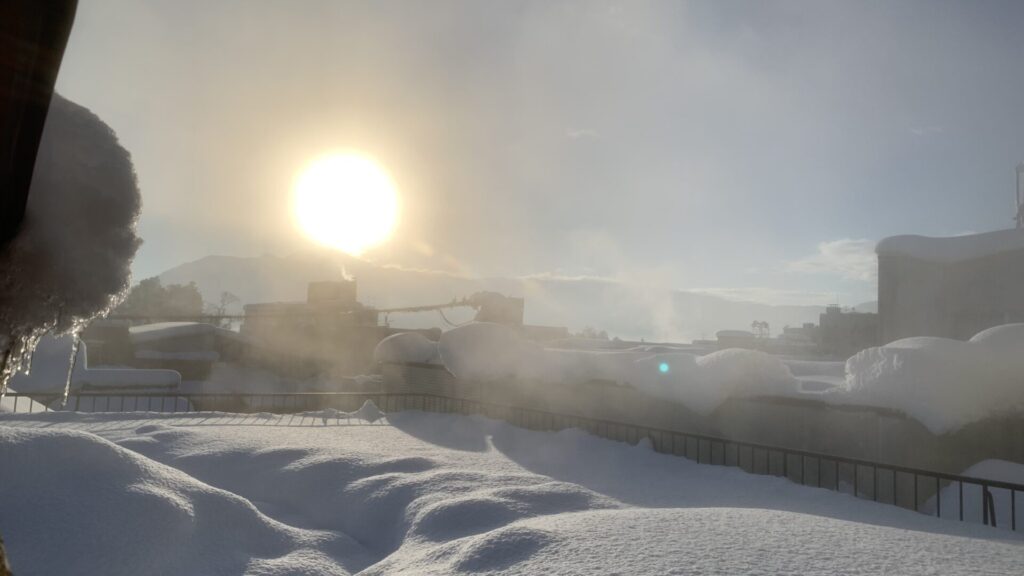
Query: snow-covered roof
[
  {"x": 953, "y": 248},
  {"x": 191, "y": 355},
  {"x": 161, "y": 330}
]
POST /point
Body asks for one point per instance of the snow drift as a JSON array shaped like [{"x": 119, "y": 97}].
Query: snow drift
[
  {"x": 406, "y": 347},
  {"x": 999, "y": 470},
  {"x": 489, "y": 352},
  {"x": 133, "y": 495},
  {"x": 93, "y": 507},
  {"x": 945, "y": 384},
  {"x": 70, "y": 260}
]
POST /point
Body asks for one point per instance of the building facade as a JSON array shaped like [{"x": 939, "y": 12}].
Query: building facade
[{"x": 950, "y": 287}]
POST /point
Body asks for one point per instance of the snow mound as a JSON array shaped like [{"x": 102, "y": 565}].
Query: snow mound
[
  {"x": 1005, "y": 337},
  {"x": 945, "y": 384},
  {"x": 431, "y": 494},
  {"x": 141, "y": 517},
  {"x": 367, "y": 484},
  {"x": 161, "y": 330},
  {"x": 1002, "y": 503},
  {"x": 489, "y": 352},
  {"x": 708, "y": 541},
  {"x": 368, "y": 412},
  {"x": 486, "y": 351},
  {"x": 703, "y": 383},
  {"x": 406, "y": 347},
  {"x": 815, "y": 368}
]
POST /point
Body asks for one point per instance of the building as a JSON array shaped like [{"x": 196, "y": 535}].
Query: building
[
  {"x": 332, "y": 333},
  {"x": 950, "y": 287},
  {"x": 842, "y": 334},
  {"x": 329, "y": 333},
  {"x": 808, "y": 332}
]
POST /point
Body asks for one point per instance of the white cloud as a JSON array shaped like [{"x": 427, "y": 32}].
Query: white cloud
[
  {"x": 847, "y": 258},
  {"x": 772, "y": 296}
]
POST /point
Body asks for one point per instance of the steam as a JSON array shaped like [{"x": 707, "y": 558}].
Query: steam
[{"x": 70, "y": 261}]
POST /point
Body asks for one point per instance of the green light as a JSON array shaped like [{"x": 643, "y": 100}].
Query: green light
[{"x": 663, "y": 367}]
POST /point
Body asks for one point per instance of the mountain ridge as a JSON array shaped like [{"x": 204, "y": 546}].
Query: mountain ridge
[{"x": 625, "y": 310}]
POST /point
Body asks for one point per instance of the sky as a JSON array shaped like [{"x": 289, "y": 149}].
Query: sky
[{"x": 755, "y": 150}]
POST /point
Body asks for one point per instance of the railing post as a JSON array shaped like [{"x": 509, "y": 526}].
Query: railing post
[
  {"x": 961, "y": 482},
  {"x": 989, "y": 506}
]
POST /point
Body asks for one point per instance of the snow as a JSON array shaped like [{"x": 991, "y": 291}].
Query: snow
[
  {"x": 367, "y": 412},
  {"x": 999, "y": 470},
  {"x": 486, "y": 351},
  {"x": 955, "y": 248},
  {"x": 50, "y": 365},
  {"x": 192, "y": 355},
  {"x": 945, "y": 384},
  {"x": 815, "y": 368},
  {"x": 8, "y": 404},
  {"x": 703, "y": 383},
  {"x": 417, "y": 493},
  {"x": 489, "y": 352},
  {"x": 161, "y": 330},
  {"x": 407, "y": 347}
]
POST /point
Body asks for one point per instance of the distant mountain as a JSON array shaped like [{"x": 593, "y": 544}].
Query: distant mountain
[{"x": 621, "y": 309}]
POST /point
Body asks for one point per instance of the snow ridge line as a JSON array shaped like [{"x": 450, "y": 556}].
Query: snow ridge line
[{"x": 668, "y": 442}]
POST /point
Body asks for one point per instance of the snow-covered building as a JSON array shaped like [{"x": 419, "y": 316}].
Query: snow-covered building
[{"x": 950, "y": 287}]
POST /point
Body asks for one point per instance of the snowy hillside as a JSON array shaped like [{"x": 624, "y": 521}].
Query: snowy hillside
[
  {"x": 429, "y": 494},
  {"x": 657, "y": 313}
]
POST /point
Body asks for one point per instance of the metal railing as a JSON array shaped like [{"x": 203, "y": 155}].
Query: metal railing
[{"x": 993, "y": 502}]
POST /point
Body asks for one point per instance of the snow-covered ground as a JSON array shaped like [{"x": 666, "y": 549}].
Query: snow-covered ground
[{"x": 421, "y": 493}]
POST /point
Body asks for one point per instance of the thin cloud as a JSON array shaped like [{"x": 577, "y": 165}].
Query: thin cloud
[
  {"x": 770, "y": 296},
  {"x": 850, "y": 259}
]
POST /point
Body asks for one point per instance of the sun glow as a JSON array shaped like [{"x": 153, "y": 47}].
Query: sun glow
[{"x": 345, "y": 201}]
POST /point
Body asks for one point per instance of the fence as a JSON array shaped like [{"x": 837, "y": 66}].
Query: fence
[{"x": 943, "y": 495}]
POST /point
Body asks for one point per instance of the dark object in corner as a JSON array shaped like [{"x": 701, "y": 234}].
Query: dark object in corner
[
  {"x": 33, "y": 35},
  {"x": 5, "y": 569}
]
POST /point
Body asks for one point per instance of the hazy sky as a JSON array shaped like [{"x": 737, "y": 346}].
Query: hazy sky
[{"x": 756, "y": 149}]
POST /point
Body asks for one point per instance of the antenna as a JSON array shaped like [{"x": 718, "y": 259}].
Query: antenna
[{"x": 1020, "y": 196}]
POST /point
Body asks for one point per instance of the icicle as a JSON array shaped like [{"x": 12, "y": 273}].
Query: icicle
[
  {"x": 5, "y": 357},
  {"x": 16, "y": 354},
  {"x": 71, "y": 368}
]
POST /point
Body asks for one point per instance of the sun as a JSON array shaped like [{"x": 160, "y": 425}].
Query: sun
[{"x": 346, "y": 201}]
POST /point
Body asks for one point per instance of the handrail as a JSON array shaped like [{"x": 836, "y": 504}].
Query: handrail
[{"x": 465, "y": 405}]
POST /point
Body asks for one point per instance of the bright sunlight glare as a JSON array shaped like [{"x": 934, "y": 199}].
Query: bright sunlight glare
[{"x": 345, "y": 201}]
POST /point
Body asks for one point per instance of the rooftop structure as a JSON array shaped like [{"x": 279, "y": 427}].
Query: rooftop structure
[{"x": 950, "y": 287}]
